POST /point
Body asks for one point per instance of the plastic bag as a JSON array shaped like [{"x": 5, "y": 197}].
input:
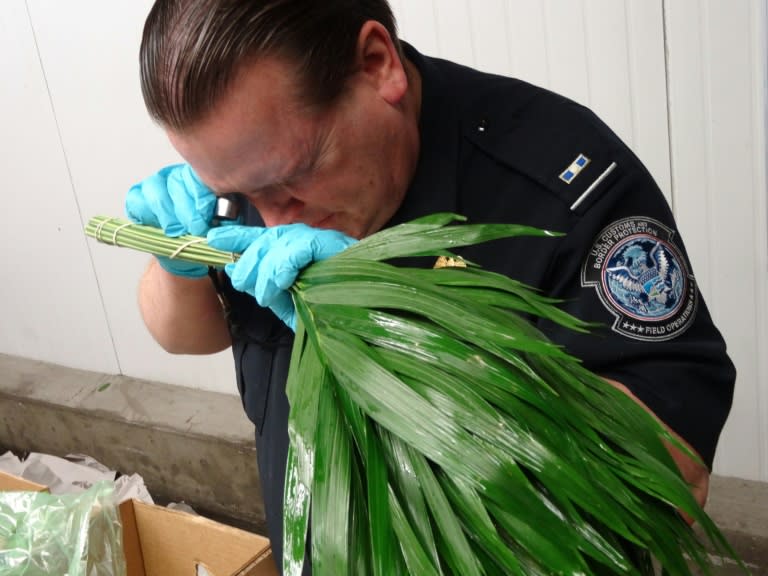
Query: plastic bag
[{"x": 43, "y": 534}]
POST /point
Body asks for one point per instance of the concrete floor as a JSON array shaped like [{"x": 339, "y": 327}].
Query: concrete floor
[
  {"x": 198, "y": 446},
  {"x": 740, "y": 509},
  {"x": 753, "y": 550}
]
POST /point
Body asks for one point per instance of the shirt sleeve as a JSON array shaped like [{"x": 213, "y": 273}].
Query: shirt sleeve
[{"x": 623, "y": 265}]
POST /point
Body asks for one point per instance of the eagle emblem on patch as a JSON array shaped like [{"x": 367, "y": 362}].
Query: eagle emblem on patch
[{"x": 642, "y": 278}]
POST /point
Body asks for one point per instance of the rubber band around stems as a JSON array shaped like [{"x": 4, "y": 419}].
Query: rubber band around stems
[
  {"x": 186, "y": 245},
  {"x": 99, "y": 229},
  {"x": 114, "y": 234}
]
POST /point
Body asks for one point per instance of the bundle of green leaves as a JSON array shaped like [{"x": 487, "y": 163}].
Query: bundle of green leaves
[{"x": 434, "y": 431}]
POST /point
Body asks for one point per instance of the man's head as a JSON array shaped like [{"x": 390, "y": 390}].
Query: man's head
[
  {"x": 305, "y": 108},
  {"x": 192, "y": 49}
]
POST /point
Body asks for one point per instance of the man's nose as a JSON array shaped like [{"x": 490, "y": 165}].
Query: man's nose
[{"x": 281, "y": 209}]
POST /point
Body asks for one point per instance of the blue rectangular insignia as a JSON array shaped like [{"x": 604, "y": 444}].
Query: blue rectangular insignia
[{"x": 569, "y": 174}]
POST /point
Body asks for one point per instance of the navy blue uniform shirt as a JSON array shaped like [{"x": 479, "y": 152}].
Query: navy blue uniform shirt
[{"x": 497, "y": 149}]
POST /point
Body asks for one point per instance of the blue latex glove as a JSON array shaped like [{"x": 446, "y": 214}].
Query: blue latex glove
[
  {"x": 272, "y": 259},
  {"x": 175, "y": 200}
]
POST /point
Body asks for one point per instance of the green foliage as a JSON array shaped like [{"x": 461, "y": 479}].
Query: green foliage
[{"x": 434, "y": 431}]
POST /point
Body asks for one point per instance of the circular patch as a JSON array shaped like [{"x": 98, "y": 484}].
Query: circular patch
[{"x": 642, "y": 278}]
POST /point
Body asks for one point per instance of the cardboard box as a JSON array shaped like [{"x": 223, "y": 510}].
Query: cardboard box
[
  {"x": 163, "y": 542},
  {"x": 10, "y": 483}
]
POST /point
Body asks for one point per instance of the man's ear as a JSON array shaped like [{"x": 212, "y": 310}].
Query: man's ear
[{"x": 379, "y": 61}]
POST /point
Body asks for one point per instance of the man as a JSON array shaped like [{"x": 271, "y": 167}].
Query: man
[{"x": 331, "y": 129}]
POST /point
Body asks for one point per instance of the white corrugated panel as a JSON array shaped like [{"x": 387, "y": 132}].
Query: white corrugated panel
[
  {"x": 49, "y": 300},
  {"x": 89, "y": 50},
  {"x": 717, "y": 110}
]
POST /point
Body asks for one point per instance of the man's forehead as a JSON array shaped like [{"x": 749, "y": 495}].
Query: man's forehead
[
  {"x": 268, "y": 79},
  {"x": 258, "y": 134}
]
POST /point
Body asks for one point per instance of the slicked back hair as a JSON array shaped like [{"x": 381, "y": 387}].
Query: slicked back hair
[{"x": 191, "y": 50}]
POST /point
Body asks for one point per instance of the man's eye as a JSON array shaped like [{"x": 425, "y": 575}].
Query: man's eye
[
  {"x": 253, "y": 194},
  {"x": 266, "y": 191}
]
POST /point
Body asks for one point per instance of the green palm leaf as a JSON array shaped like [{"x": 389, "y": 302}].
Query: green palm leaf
[{"x": 448, "y": 436}]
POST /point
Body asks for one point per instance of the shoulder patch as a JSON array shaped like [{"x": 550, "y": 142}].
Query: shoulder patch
[{"x": 642, "y": 278}]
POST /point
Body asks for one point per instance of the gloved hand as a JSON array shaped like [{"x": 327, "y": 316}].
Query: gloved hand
[
  {"x": 175, "y": 200},
  {"x": 272, "y": 259}
]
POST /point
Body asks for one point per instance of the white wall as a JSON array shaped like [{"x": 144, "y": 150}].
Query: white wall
[
  {"x": 77, "y": 137},
  {"x": 718, "y": 99},
  {"x": 683, "y": 82}
]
